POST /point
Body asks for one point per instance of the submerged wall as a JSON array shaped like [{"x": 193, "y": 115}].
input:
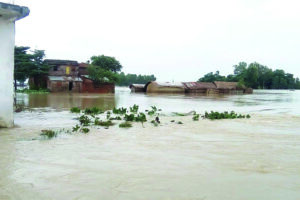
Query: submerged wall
[
  {"x": 7, "y": 43},
  {"x": 8, "y": 15}
]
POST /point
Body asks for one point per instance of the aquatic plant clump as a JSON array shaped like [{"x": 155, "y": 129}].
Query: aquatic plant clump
[
  {"x": 134, "y": 108},
  {"x": 93, "y": 111},
  {"x": 84, "y": 120},
  {"x": 196, "y": 117},
  {"x": 225, "y": 115},
  {"x": 125, "y": 125},
  {"x": 28, "y": 91},
  {"x": 119, "y": 111},
  {"x": 103, "y": 123},
  {"x": 48, "y": 134},
  {"x": 75, "y": 110}
]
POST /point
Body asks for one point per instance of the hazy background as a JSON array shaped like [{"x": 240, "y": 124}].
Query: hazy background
[{"x": 175, "y": 40}]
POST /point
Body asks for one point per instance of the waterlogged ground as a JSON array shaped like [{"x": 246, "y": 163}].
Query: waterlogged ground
[{"x": 257, "y": 158}]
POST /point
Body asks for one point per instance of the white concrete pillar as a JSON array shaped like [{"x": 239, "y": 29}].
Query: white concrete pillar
[{"x": 8, "y": 15}]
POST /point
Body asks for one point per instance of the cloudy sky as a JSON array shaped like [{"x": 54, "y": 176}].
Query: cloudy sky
[{"x": 177, "y": 40}]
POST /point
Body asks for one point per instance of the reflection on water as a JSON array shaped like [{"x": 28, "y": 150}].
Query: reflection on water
[{"x": 270, "y": 101}]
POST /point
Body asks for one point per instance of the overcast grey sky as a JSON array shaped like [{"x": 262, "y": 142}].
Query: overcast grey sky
[{"x": 175, "y": 40}]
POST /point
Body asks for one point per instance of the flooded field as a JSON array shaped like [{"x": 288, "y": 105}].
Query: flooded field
[{"x": 257, "y": 158}]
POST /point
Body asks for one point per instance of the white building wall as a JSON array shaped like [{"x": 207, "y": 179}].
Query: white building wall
[{"x": 7, "y": 42}]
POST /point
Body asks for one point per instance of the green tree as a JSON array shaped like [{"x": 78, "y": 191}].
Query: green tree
[
  {"x": 106, "y": 63},
  {"x": 100, "y": 75},
  {"x": 23, "y": 63}
]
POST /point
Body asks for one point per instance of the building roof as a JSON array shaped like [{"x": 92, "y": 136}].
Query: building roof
[
  {"x": 60, "y": 62},
  {"x": 84, "y": 65},
  {"x": 64, "y": 78},
  {"x": 226, "y": 85},
  {"x": 137, "y": 86},
  {"x": 199, "y": 85},
  {"x": 88, "y": 77},
  {"x": 15, "y": 12}
]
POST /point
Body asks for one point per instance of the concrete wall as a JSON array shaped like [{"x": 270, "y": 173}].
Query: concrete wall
[
  {"x": 7, "y": 43},
  {"x": 61, "y": 71}
]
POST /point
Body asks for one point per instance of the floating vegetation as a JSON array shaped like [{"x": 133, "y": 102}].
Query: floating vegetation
[
  {"x": 48, "y": 134},
  {"x": 103, "y": 123},
  {"x": 93, "y": 111},
  {"x": 115, "y": 118},
  {"x": 154, "y": 122},
  {"x": 85, "y": 130},
  {"x": 75, "y": 110},
  {"x": 119, "y": 111},
  {"x": 28, "y": 91},
  {"x": 129, "y": 117},
  {"x": 172, "y": 121},
  {"x": 179, "y": 122},
  {"x": 125, "y": 125},
  {"x": 196, "y": 117},
  {"x": 75, "y": 128},
  {"x": 141, "y": 117},
  {"x": 84, "y": 120},
  {"x": 184, "y": 114},
  {"x": 134, "y": 108},
  {"x": 225, "y": 115}
]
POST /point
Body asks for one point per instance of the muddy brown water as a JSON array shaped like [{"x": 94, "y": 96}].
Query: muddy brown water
[{"x": 258, "y": 158}]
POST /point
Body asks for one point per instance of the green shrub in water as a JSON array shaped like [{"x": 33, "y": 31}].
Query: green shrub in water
[
  {"x": 179, "y": 122},
  {"x": 84, "y": 120},
  {"x": 119, "y": 111},
  {"x": 225, "y": 115},
  {"x": 115, "y": 118},
  {"x": 129, "y": 117},
  {"x": 134, "y": 108},
  {"x": 196, "y": 117},
  {"x": 75, "y": 110},
  {"x": 92, "y": 111},
  {"x": 49, "y": 134},
  {"x": 125, "y": 125},
  {"x": 103, "y": 123},
  {"x": 85, "y": 130},
  {"x": 75, "y": 128}
]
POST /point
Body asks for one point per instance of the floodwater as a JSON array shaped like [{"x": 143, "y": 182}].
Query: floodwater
[{"x": 257, "y": 158}]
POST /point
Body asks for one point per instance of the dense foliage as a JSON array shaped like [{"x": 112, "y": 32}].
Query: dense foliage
[
  {"x": 30, "y": 65},
  {"x": 128, "y": 79},
  {"x": 100, "y": 75},
  {"x": 106, "y": 63},
  {"x": 256, "y": 76}
]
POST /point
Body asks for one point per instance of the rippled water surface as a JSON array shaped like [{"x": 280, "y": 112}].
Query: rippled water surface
[{"x": 257, "y": 158}]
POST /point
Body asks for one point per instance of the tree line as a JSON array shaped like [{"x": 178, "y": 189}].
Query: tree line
[
  {"x": 30, "y": 64},
  {"x": 128, "y": 79},
  {"x": 256, "y": 76}
]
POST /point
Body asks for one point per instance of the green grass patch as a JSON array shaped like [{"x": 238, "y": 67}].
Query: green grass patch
[{"x": 28, "y": 91}]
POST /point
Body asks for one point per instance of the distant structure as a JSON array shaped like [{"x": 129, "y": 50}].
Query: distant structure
[
  {"x": 8, "y": 15},
  {"x": 71, "y": 76},
  {"x": 217, "y": 87}
]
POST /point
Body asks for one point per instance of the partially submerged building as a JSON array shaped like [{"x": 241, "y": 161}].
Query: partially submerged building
[
  {"x": 71, "y": 76},
  {"x": 216, "y": 87},
  {"x": 164, "y": 87},
  {"x": 137, "y": 87}
]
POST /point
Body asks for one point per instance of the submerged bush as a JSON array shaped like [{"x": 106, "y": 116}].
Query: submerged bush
[
  {"x": 92, "y": 111},
  {"x": 225, "y": 115},
  {"x": 84, "y": 120},
  {"x": 28, "y": 91},
  {"x": 125, "y": 125},
  {"x": 49, "y": 134},
  {"x": 119, "y": 111},
  {"x": 115, "y": 118},
  {"x": 75, "y": 128},
  {"x": 134, "y": 108},
  {"x": 104, "y": 123},
  {"x": 75, "y": 110},
  {"x": 85, "y": 130},
  {"x": 196, "y": 117}
]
